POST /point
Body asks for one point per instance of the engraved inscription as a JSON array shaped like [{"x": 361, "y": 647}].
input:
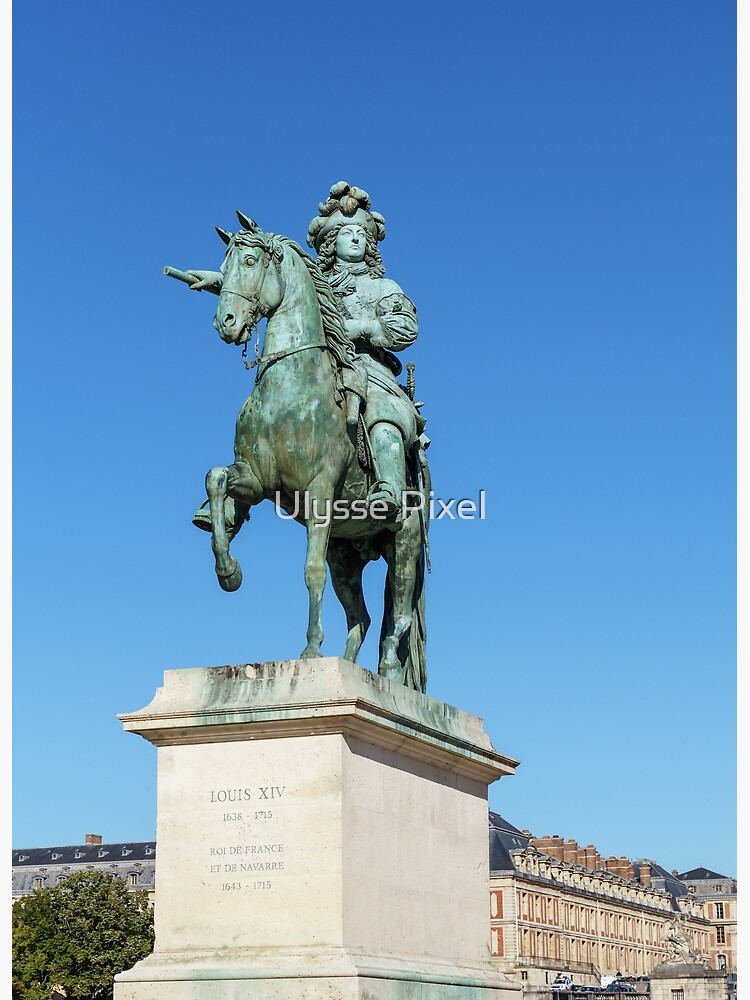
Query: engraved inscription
[
  {"x": 248, "y": 855},
  {"x": 244, "y": 794}
]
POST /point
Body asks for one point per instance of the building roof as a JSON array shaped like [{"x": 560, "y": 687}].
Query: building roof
[
  {"x": 81, "y": 854},
  {"x": 662, "y": 879},
  {"x": 697, "y": 874},
  {"x": 504, "y": 838}
]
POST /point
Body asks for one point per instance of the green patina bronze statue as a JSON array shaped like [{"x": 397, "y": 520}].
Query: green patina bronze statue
[{"x": 328, "y": 433}]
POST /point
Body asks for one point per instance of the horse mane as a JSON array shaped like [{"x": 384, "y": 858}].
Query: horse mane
[{"x": 338, "y": 343}]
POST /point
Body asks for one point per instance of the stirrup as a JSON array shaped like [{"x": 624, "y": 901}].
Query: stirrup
[
  {"x": 202, "y": 517},
  {"x": 383, "y": 492}
]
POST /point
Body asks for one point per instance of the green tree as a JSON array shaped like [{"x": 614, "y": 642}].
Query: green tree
[{"x": 79, "y": 934}]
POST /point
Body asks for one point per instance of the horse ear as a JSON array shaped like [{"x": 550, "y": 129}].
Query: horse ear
[
  {"x": 247, "y": 223},
  {"x": 224, "y": 234}
]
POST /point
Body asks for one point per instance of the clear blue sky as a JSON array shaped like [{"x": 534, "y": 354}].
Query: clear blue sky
[{"x": 558, "y": 183}]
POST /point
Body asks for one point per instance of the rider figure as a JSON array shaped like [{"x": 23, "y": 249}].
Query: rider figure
[{"x": 379, "y": 319}]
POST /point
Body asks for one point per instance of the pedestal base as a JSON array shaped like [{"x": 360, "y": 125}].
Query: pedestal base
[
  {"x": 321, "y": 832},
  {"x": 196, "y": 977},
  {"x": 694, "y": 981}
]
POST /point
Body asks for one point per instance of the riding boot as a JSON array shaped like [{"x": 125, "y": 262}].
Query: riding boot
[
  {"x": 232, "y": 519},
  {"x": 390, "y": 468}
]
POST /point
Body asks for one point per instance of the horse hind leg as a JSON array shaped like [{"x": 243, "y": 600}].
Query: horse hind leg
[
  {"x": 403, "y": 611},
  {"x": 346, "y": 565},
  {"x": 245, "y": 490}
]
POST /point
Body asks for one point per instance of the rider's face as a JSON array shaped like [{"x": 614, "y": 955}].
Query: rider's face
[{"x": 351, "y": 244}]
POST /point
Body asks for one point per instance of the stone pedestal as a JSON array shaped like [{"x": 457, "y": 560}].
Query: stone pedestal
[
  {"x": 322, "y": 835},
  {"x": 694, "y": 980}
]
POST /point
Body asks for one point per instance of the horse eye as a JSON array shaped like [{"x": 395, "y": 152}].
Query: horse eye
[{"x": 250, "y": 260}]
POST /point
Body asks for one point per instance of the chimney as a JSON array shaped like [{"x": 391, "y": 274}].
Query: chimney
[
  {"x": 644, "y": 874},
  {"x": 570, "y": 852},
  {"x": 590, "y": 858},
  {"x": 552, "y": 846},
  {"x": 93, "y": 838}
]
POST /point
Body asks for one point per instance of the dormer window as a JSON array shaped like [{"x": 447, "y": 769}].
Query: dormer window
[
  {"x": 126, "y": 851},
  {"x": 78, "y": 854},
  {"x": 103, "y": 853},
  {"x": 56, "y": 856}
]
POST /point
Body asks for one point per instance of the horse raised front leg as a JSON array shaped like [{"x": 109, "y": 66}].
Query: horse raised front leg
[
  {"x": 232, "y": 490},
  {"x": 228, "y": 571},
  {"x": 318, "y": 532}
]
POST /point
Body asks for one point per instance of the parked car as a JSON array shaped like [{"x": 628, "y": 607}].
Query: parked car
[
  {"x": 587, "y": 989},
  {"x": 619, "y": 986},
  {"x": 563, "y": 984}
]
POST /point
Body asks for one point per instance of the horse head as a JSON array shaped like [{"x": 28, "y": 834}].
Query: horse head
[{"x": 252, "y": 280}]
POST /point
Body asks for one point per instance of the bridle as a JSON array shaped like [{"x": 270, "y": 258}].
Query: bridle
[{"x": 271, "y": 252}]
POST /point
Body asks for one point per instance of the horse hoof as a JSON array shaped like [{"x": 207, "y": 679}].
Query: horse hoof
[
  {"x": 392, "y": 672},
  {"x": 310, "y": 653},
  {"x": 231, "y": 581}
]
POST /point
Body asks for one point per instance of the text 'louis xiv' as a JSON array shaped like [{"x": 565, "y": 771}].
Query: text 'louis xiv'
[{"x": 244, "y": 794}]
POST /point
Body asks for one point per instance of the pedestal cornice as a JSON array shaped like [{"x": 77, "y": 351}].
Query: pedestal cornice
[{"x": 315, "y": 697}]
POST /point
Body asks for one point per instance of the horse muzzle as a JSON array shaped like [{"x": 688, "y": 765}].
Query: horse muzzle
[{"x": 231, "y": 329}]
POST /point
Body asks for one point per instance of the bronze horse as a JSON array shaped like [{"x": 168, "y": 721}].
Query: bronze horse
[{"x": 294, "y": 446}]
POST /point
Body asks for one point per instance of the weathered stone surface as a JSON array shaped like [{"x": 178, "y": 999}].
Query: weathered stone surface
[{"x": 322, "y": 832}]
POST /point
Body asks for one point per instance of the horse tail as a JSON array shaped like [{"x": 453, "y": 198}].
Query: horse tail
[{"x": 415, "y": 675}]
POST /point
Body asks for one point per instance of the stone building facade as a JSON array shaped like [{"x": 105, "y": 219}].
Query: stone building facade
[
  {"x": 717, "y": 896},
  {"x": 558, "y": 907},
  {"x": 43, "y": 867},
  {"x": 554, "y": 906}
]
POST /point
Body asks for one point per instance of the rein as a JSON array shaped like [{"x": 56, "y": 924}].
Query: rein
[{"x": 266, "y": 359}]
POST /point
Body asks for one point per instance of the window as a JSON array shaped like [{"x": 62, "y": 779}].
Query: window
[
  {"x": 721, "y": 961},
  {"x": 678, "y": 995},
  {"x": 718, "y": 888},
  {"x": 38, "y": 883},
  {"x": 719, "y": 911},
  {"x": 524, "y": 975},
  {"x": 133, "y": 878},
  {"x": 721, "y": 935},
  {"x": 691, "y": 888}
]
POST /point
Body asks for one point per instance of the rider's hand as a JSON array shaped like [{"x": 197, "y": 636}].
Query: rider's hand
[
  {"x": 373, "y": 332},
  {"x": 379, "y": 338},
  {"x": 205, "y": 280}
]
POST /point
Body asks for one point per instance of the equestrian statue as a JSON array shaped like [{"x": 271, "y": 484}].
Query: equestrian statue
[{"x": 328, "y": 433}]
